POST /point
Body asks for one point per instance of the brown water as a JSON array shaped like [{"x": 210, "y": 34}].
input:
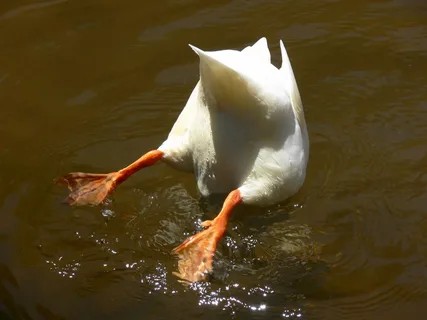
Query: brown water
[{"x": 91, "y": 85}]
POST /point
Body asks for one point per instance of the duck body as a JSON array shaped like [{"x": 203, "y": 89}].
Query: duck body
[
  {"x": 242, "y": 132},
  {"x": 243, "y": 127}
]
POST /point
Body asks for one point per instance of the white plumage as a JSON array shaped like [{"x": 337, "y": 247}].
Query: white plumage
[
  {"x": 242, "y": 127},
  {"x": 242, "y": 132}
]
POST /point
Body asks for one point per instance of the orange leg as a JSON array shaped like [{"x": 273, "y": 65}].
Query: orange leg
[
  {"x": 196, "y": 253},
  {"x": 93, "y": 188}
]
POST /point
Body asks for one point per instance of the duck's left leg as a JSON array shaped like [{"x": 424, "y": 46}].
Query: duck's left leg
[
  {"x": 196, "y": 253},
  {"x": 93, "y": 188}
]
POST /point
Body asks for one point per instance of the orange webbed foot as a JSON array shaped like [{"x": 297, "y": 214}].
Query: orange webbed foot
[
  {"x": 88, "y": 188},
  {"x": 206, "y": 223},
  {"x": 195, "y": 254},
  {"x": 93, "y": 188}
]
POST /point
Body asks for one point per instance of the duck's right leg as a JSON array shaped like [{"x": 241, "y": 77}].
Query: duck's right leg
[{"x": 196, "y": 253}]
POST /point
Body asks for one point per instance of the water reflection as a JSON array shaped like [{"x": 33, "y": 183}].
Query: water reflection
[{"x": 134, "y": 243}]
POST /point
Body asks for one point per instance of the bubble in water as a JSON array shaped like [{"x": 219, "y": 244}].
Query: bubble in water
[{"x": 108, "y": 213}]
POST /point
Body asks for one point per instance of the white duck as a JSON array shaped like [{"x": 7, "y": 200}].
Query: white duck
[{"x": 242, "y": 133}]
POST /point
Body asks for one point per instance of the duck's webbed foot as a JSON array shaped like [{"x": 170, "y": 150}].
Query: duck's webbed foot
[
  {"x": 93, "y": 188},
  {"x": 195, "y": 255},
  {"x": 88, "y": 188}
]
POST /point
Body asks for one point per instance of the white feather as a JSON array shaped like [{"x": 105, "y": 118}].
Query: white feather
[{"x": 242, "y": 127}]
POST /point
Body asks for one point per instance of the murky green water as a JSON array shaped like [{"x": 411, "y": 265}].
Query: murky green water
[{"x": 91, "y": 85}]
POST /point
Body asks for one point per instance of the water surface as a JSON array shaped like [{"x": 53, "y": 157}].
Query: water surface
[{"x": 91, "y": 85}]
